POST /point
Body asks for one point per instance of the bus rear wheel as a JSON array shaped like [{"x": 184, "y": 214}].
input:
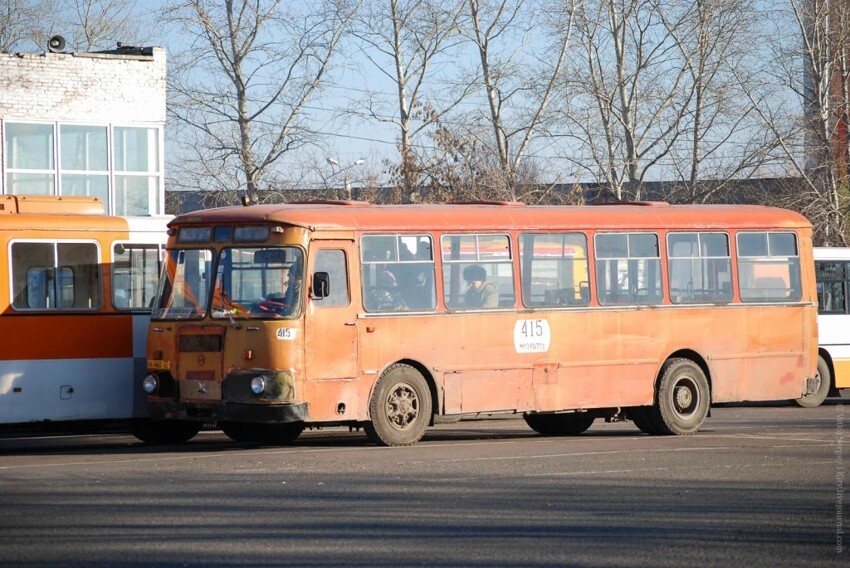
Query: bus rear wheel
[
  {"x": 824, "y": 382},
  {"x": 559, "y": 424},
  {"x": 164, "y": 431},
  {"x": 400, "y": 407},
  {"x": 683, "y": 399}
]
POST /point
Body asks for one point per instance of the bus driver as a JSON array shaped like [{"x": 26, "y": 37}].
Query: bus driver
[{"x": 285, "y": 303}]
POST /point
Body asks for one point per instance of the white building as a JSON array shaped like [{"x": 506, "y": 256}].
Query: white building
[{"x": 85, "y": 124}]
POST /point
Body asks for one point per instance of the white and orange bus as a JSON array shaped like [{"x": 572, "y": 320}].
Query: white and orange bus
[
  {"x": 832, "y": 271},
  {"x": 75, "y": 294},
  {"x": 276, "y": 317}
]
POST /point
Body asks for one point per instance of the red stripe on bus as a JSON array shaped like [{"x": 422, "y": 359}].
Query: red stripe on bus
[{"x": 65, "y": 336}]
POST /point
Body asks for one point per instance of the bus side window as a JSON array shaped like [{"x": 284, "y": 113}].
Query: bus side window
[
  {"x": 51, "y": 276},
  {"x": 135, "y": 273},
  {"x": 554, "y": 269}
]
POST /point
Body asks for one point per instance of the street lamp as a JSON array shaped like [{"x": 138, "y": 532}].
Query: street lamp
[{"x": 346, "y": 184}]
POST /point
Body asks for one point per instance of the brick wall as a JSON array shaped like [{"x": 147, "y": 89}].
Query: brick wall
[{"x": 84, "y": 87}]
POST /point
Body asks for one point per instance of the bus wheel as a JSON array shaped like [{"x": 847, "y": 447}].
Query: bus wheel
[
  {"x": 262, "y": 433},
  {"x": 643, "y": 419},
  {"x": 824, "y": 382},
  {"x": 559, "y": 424},
  {"x": 237, "y": 431},
  {"x": 164, "y": 431},
  {"x": 400, "y": 407},
  {"x": 683, "y": 398},
  {"x": 282, "y": 434}
]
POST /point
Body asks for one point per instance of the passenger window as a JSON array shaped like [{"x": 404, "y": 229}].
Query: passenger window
[
  {"x": 554, "y": 269},
  {"x": 832, "y": 277},
  {"x": 54, "y": 276},
  {"x": 135, "y": 273},
  {"x": 477, "y": 272},
  {"x": 398, "y": 273},
  {"x": 768, "y": 267},
  {"x": 700, "y": 268},
  {"x": 628, "y": 268}
]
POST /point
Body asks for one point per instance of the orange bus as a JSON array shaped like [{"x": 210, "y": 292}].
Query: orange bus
[
  {"x": 75, "y": 295},
  {"x": 273, "y": 318}
]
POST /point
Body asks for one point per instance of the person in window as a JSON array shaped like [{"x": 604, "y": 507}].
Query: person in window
[
  {"x": 385, "y": 296},
  {"x": 480, "y": 294},
  {"x": 285, "y": 303}
]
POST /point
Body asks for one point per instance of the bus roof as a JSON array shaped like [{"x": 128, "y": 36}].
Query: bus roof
[
  {"x": 361, "y": 216},
  {"x": 52, "y": 213},
  {"x": 832, "y": 253}
]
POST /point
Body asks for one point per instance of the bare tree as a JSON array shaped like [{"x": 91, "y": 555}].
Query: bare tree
[
  {"x": 815, "y": 145},
  {"x": 21, "y": 23},
  {"x": 722, "y": 138},
  {"x": 403, "y": 40},
  {"x": 241, "y": 85},
  {"x": 632, "y": 91},
  {"x": 100, "y": 24},
  {"x": 522, "y": 50}
]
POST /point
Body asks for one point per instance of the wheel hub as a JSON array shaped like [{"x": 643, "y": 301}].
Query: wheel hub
[
  {"x": 402, "y": 407},
  {"x": 684, "y": 398}
]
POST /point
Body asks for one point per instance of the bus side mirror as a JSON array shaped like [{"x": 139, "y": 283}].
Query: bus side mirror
[{"x": 321, "y": 285}]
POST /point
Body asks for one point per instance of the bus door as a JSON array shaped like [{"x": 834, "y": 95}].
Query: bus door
[{"x": 331, "y": 323}]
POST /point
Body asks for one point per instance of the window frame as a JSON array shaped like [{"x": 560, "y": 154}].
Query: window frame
[
  {"x": 397, "y": 298},
  {"x": 795, "y": 288},
  {"x": 155, "y": 199},
  {"x": 463, "y": 263},
  {"x": 717, "y": 299},
  {"x": 97, "y": 275},
  {"x": 602, "y": 291}
]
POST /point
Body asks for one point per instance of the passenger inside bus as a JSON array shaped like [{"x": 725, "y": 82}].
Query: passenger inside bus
[
  {"x": 285, "y": 303},
  {"x": 385, "y": 295},
  {"x": 480, "y": 294}
]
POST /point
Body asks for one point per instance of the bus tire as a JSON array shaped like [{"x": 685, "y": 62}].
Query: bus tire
[
  {"x": 824, "y": 379},
  {"x": 400, "y": 407},
  {"x": 683, "y": 398},
  {"x": 262, "y": 433},
  {"x": 559, "y": 424},
  {"x": 164, "y": 431},
  {"x": 279, "y": 434},
  {"x": 237, "y": 431},
  {"x": 643, "y": 419}
]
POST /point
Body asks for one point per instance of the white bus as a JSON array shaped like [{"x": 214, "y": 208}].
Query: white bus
[{"x": 832, "y": 270}]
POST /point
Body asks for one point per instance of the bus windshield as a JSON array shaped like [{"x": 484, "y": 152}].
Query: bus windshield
[
  {"x": 249, "y": 283},
  {"x": 258, "y": 282},
  {"x": 184, "y": 285}
]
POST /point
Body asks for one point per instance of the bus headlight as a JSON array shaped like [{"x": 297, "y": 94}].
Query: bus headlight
[
  {"x": 258, "y": 385},
  {"x": 150, "y": 384}
]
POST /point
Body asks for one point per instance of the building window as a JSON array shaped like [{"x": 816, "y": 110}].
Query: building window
[
  {"x": 137, "y": 174},
  {"x": 84, "y": 162},
  {"x": 133, "y": 186},
  {"x": 30, "y": 167}
]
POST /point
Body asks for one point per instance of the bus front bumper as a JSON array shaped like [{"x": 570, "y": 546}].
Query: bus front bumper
[{"x": 229, "y": 412}]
